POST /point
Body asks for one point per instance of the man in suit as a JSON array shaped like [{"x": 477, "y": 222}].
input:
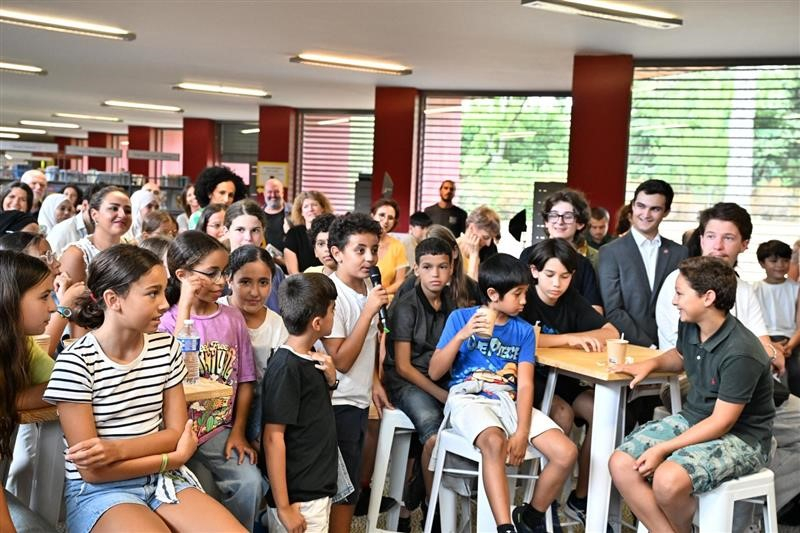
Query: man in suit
[{"x": 632, "y": 268}]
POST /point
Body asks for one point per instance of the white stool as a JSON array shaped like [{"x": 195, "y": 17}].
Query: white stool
[
  {"x": 394, "y": 441},
  {"x": 450, "y": 442},
  {"x": 715, "y": 507}
]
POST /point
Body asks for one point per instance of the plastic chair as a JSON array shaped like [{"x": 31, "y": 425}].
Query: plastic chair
[
  {"x": 394, "y": 440},
  {"x": 450, "y": 442},
  {"x": 715, "y": 507}
]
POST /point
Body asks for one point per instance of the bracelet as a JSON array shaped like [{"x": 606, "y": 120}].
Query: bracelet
[{"x": 164, "y": 461}]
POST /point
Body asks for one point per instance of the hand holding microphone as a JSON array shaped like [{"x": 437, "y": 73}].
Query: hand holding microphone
[{"x": 375, "y": 278}]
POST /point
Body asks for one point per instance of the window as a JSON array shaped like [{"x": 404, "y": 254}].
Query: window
[
  {"x": 721, "y": 133},
  {"x": 334, "y": 149},
  {"x": 495, "y": 148}
]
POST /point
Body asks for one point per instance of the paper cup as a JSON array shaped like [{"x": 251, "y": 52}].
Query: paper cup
[
  {"x": 616, "y": 349},
  {"x": 491, "y": 317},
  {"x": 43, "y": 341}
]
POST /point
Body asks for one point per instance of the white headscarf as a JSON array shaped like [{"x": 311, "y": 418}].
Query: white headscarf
[
  {"x": 47, "y": 213},
  {"x": 139, "y": 199}
]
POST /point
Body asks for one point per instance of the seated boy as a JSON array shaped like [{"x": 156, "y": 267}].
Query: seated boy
[
  {"x": 416, "y": 321},
  {"x": 299, "y": 441},
  {"x": 488, "y": 368},
  {"x": 780, "y": 303},
  {"x": 725, "y": 427},
  {"x": 566, "y": 319}
]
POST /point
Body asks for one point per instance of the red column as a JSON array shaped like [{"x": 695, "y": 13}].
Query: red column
[
  {"x": 598, "y": 144},
  {"x": 141, "y": 138},
  {"x": 99, "y": 140},
  {"x": 395, "y": 133},
  {"x": 277, "y": 135},
  {"x": 200, "y": 146},
  {"x": 62, "y": 160}
]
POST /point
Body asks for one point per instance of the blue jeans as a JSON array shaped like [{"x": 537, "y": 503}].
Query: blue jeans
[
  {"x": 241, "y": 486},
  {"x": 424, "y": 411}
]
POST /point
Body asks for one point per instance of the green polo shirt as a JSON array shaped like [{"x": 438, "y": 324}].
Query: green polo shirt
[{"x": 732, "y": 366}]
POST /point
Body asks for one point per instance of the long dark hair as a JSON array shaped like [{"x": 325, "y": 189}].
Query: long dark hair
[
  {"x": 18, "y": 274},
  {"x": 186, "y": 251},
  {"x": 115, "y": 269}
]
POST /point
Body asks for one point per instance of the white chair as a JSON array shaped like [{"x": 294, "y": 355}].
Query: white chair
[
  {"x": 715, "y": 507},
  {"x": 394, "y": 441},
  {"x": 450, "y": 442}
]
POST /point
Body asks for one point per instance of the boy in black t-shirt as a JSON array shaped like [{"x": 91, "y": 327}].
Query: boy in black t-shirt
[
  {"x": 566, "y": 319},
  {"x": 299, "y": 428}
]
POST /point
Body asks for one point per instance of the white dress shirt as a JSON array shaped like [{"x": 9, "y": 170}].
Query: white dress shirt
[{"x": 648, "y": 248}]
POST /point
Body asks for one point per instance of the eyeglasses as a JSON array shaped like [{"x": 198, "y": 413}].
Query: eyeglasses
[
  {"x": 48, "y": 257},
  {"x": 214, "y": 275},
  {"x": 553, "y": 216}
]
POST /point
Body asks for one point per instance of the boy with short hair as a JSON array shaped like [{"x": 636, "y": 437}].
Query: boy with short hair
[
  {"x": 487, "y": 374},
  {"x": 416, "y": 320},
  {"x": 598, "y": 228},
  {"x": 353, "y": 345},
  {"x": 299, "y": 442},
  {"x": 418, "y": 224},
  {"x": 318, "y": 233},
  {"x": 780, "y": 304},
  {"x": 725, "y": 427}
]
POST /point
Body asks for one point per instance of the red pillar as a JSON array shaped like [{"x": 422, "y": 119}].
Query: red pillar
[
  {"x": 200, "y": 146},
  {"x": 598, "y": 143},
  {"x": 99, "y": 140},
  {"x": 395, "y": 132},
  {"x": 141, "y": 138},
  {"x": 276, "y": 138}
]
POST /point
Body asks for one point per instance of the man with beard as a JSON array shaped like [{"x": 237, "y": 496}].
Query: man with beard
[
  {"x": 275, "y": 208},
  {"x": 445, "y": 213}
]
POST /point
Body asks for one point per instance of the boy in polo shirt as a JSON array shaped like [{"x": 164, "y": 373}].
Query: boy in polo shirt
[{"x": 725, "y": 427}]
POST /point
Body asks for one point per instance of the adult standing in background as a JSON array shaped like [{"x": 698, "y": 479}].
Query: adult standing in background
[
  {"x": 598, "y": 228},
  {"x": 216, "y": 185},
  {"x": 278, "y": 220},
  {"x": 188, "y": 202},
  {"x": 37, "y": 181},
  {"x": 392, "y": 260},
  {"x": 298, "y": 254},
  {"x": 445, "y": 213}
]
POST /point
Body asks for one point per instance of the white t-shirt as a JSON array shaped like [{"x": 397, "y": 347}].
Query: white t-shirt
[
  {"x": 779, "y": 305},
  {"x": 127, "y": 400},
  {"x": 746, "y": 309},
  {"x": 66, "y": 232},
  {"x": 355, "y": 386}
]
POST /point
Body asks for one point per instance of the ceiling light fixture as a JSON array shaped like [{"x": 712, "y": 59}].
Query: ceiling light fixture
[
  {"x": 333, "y": 121},
  {"x": 14, "y": 129},
  {"x": 46, "y": 124},
  {"x": 9, "y": 135},
  {"x": 78, "y": 27},
  {"x": 221, "y": 89},
  {"x": 124, "y": 143},
  {"x": 140, "y": 105},
  {"x": 22, "y": 69},
  {"x": 615, "y": 11},
  {"x": 351, "y": 63},
  {"x": 251, "y": 130},
  {"x": 79, "y": 116}
]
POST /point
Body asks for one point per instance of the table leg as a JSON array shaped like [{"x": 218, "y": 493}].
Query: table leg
[
  {"x": 549, "y": 391},
  {"x": 48, "y": 490},
  {"x": 607, "y": 407},
  {"x": 675, "y": 394}
]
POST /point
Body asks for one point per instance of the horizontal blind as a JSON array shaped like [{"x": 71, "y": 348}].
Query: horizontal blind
[
  {"x": 719, "y": 134},
  {"x": 334, "y": 149},
  {"x": 494, "y": 148}
]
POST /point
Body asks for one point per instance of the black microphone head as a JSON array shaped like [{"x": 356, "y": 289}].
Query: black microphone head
[{"x": 375, "y": 275}]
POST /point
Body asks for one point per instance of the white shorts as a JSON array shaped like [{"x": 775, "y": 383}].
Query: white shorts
[
  {"x": 315, "y": 512},
  {"x": 471, "y": 414}
]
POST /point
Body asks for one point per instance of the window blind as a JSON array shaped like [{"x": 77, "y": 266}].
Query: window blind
[
  {"x": 495, "y": 148},
  {"x": 334, "y": 149},
  {"x": 721, "y": 133}
]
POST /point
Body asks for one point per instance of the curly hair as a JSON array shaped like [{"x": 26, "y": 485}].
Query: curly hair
[
  {"x": 579, "y": 204},
  {"x": 297, "y": 205},
  {"x": 351, "y": 224},
  {"x": 208, "y": 180}
]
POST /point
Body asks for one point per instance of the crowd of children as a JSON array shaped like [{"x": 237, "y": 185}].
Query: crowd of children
[{"x": 307, "y": 355}]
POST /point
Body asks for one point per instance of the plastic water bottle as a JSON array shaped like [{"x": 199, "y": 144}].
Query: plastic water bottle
[{"x": 190, "y": 347}]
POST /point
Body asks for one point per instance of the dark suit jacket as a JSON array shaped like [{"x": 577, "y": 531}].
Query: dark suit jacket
[{"x": 628, "y": 301}]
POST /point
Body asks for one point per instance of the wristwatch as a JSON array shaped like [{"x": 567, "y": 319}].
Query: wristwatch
[
  {"x": 64, "y": 311},
  {"x": 334, "y": 386}
]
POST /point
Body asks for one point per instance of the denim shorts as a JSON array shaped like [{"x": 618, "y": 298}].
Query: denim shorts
[
  {"x": 707, "y": 463},
  {"x": 424, "y": 411},
  {"x": 87, "y": 502}
]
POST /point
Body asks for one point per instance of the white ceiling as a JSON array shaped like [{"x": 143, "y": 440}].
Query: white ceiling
[{"x": 450, "y": 44}]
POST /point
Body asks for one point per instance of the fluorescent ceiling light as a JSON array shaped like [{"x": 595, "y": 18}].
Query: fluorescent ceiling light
[
  {"x": 22, "y": 69},
  {"x": 351, "y": 63},
  {"x": 251, "y": 130},
  {"x": 9, "y": 135},
  {"x": 139, "y": 105},
  {"x": 78, "y": 27},
  {"x": 615, "y": 11},
  {"x": 14, "y": 129},
  {"x": 124, "y": 143},
  {"x": 333, "y": 121},
  {"x": 79, "y": 116},
  {"x": 46, "y": 124},
  {"x": 221, "y": 89},
  {"x": 445, "y": 109}
]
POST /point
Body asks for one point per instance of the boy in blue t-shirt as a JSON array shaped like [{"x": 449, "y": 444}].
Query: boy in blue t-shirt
[{"x": 489, "y": 353}]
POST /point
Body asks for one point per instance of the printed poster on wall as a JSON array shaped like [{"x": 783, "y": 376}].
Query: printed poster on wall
[{"x": 266, "y": 170}]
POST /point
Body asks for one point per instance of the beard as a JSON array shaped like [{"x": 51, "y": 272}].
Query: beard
[{"x": 273, "y": 203}]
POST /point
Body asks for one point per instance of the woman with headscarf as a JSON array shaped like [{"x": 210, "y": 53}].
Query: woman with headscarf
[
  {"x": 55, "y": 208},
  {"x": 142, "y": 203}
]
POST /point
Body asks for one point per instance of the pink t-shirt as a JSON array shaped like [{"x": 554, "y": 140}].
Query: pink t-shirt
[{"x": 226, "y": 356}]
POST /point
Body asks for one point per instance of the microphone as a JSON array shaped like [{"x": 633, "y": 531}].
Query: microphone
[{"x": 375, "y": 278}]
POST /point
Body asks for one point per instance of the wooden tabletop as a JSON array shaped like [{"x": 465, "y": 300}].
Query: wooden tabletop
[
  {"x": 204, "y": 389},
  {"x": 590, "y": 364}
]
